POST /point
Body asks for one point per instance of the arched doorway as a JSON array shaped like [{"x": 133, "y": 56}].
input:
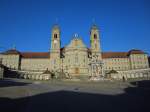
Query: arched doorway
[{"x": 76, "y": 70}]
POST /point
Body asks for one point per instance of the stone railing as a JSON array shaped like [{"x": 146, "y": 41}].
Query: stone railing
[
  {"x": 34, "y": 75},
  {"x": 141, "y": 73},
  {"x": 39, "y": 75}
]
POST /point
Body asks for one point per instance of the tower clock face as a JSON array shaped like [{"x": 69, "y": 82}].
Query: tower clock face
[{"x": 55, "y": 41}]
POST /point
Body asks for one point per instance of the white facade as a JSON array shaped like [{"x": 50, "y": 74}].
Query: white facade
[{"x": 75, "y": 58}]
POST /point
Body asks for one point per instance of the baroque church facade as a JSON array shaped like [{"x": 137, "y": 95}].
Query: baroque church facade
[{"x": 75, "y": 58}]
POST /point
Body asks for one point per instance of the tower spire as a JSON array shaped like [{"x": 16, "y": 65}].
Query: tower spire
[
  {"x": 14, "y": 46},
  {"x": 94, "y": 25},
  {"x": 55, "y": 47},
  {"x": 56, "y": 20},
  {"x": 93, "y": 21},
  {"x": 95, "y": 41}
]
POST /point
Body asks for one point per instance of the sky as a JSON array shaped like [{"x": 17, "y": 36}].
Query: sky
[{"x": 27, "y": 24}]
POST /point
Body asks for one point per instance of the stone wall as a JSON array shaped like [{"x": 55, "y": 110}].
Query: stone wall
[
  {"x": 135, "y": 61},
  {"x": 35, "y": 64},
  {"x": 76, "y": 58},
  {"x": 33, "y": 75},
  {"x": 129, "y": 74},
  {"x": 116, "y": 64},
  {"x": 138, "y": 61},
  {"x": 11, "y": 61},
  {"x": 75, "y": 62}
]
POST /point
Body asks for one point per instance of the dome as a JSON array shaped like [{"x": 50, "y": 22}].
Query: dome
[
  {"x": 135, "y": 51},
  {"x": 11, "y": 51},
  {"x": 56, "y": 26},
  {"x": 94, "y": 26}
]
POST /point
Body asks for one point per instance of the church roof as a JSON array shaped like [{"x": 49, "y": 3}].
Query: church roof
[
  {"x": 47, "y": 54},
  {"x": 121, "y": 54},
  {"x": 114, "y": 54},
  {"x": 135, "y": 51},
  {"x": 35, "y": 54},
  {"x": 11, "y": 51}
]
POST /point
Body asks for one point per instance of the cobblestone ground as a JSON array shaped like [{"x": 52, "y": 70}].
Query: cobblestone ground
[{"x": 19, "y": 95}]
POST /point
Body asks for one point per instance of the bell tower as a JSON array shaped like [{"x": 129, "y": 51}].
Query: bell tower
[
  {"x": 95, "y": 41},
  {"x": 55, "y": 39},
  {"x": 55, "y": 48},
  {"x": 96, "y": 63}
]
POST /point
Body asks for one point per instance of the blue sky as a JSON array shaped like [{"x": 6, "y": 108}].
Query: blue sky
[{"x": 124, "y": 24}]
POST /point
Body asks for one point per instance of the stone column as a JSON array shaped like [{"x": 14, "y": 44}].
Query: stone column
[
  {"x": 95, "y": 69},
  {"x": 91, "y": 70},
  {"x": 101, "y": 70}
]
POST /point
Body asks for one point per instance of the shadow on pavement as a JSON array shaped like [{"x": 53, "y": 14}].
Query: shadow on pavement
[
  {"x": 9, "y": 83},
  {"x": 134, "y": 99},
  {"x": 143, "y": 83}
]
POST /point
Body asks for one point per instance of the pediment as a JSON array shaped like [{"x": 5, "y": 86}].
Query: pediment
[{"x": 76, "y": 43}]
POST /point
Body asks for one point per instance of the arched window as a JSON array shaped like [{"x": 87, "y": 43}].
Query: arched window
[
  {"x": 55, "y": 36},
  {"x": 76, "y": 70},
  {"x": 95, "y": 36}
]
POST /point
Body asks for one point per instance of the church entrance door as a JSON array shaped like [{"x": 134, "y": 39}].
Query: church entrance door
[{"x": 76, "y": 70}]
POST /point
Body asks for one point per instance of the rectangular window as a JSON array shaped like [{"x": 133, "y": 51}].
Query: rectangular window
[{"x": 76, "y": 58}]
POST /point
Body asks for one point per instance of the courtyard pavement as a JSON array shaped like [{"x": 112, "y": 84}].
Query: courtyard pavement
[{"x": 19, "y": 95}]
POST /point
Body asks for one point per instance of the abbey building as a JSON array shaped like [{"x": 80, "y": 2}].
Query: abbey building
[{"x": 75, "y": 58}]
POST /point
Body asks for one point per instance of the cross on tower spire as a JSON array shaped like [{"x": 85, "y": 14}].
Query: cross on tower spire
[
  {"x": 93, "y": 21},
  {"x": 56, "y": 21}
]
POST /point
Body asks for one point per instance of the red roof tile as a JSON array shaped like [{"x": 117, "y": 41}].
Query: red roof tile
[
  {"x": 11, "y": 51},
  {"x": 35, "y": 54},
  {"x": 114, "y": 54},
  {"x": 135, "y": 51}
]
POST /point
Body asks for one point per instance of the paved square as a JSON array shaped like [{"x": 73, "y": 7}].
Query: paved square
[{"x": 18, "y": 95}]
